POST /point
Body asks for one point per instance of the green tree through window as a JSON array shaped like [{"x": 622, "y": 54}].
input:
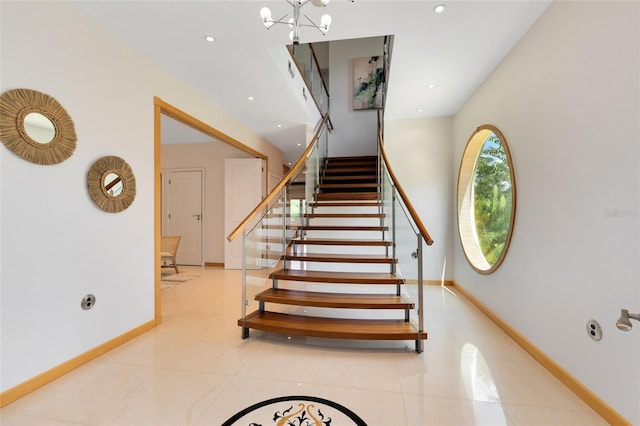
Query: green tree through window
[
  {"x": 486, "y": 199},
  {"x": 492, "y": 198}
]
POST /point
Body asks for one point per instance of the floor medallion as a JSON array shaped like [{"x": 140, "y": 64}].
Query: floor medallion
[{"x": 295, "y": 411}]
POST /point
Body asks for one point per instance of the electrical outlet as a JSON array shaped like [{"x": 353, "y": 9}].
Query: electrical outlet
[
  {"x": 88, "y": 301},
  {"x": 594, "y": 330}
]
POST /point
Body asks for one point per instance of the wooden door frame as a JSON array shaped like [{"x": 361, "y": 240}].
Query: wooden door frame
[{"x": 163, "y": 108}]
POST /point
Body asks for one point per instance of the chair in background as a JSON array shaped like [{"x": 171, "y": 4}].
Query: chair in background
[{"x": 168, "y": 250}]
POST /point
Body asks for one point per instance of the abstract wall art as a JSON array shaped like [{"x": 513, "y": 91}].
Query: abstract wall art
[{"x": 368, "y": 73}]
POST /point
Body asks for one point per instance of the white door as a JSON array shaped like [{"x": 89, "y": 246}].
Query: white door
[
  {"x": 185, "y": 214},
  {"x": 243, "y": 189},
  {"x": 274, "y": 180}
]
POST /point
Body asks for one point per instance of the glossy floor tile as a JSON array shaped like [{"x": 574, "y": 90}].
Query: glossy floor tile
[{"x": 194, "y": 369}]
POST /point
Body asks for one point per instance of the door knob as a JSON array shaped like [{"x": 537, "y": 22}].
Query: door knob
[{"x": 197, "y": 216}]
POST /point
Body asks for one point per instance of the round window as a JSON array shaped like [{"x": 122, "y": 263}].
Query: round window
[{"x": 486, "y": 199}]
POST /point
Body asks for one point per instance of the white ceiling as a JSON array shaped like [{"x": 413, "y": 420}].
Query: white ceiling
[{"x": 455, "y": 50}]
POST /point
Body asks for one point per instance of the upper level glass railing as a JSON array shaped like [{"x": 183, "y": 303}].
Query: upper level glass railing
[{"x": 305, "y": 58}]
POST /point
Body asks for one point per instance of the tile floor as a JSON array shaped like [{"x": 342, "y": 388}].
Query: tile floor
[{"x": 195, "y": 369}]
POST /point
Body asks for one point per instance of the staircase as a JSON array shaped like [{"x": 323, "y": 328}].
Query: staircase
[{"x": 337, "y": 278}]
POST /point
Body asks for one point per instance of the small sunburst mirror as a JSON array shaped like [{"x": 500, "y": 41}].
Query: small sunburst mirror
[{"x": 111, "y": 183}]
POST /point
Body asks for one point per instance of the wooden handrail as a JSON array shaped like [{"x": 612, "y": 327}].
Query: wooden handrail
[
  {"x": 293, "y": 172},
  {"x": 405, "y": 199}
]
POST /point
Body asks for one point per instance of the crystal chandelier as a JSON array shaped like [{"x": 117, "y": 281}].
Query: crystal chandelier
[{"x": 294, "y": 18}]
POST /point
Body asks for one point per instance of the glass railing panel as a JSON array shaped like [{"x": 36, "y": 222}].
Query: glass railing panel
[
  {"x": 317, "y": 88},
  {"x": 312, "y": 75},
  {"x": 325, "y": 100},
  {"x": 304, "y": 59},
  {"x": 315, "y": 164},
  {"x": 402, "y": 232},
  {"x": 406, "y": 249},
  {"x": 296, "y": 203},
  {"x": 263, "y": 247},
  {"x": 386, "y": 205},
  {"x": 312, "y": 175},
  {"x": 265, "y": 243}
]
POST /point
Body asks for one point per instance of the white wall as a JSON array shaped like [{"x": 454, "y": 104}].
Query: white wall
[
  {"x": 209, "y": 156},
  {"x": 355, "y": 131},
  {"x": 57, "y": 245},
  {"x": 567, "y": 99},
  {"x": 421, "y": 155}
]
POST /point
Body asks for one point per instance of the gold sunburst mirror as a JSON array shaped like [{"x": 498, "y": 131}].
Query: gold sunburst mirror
[
  {"x": 36, "y": 127},
  {"x": 111, "y": 183}
]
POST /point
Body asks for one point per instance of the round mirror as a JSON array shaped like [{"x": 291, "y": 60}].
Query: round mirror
[
  {"x": 111, "y": 183},
  {"x": 34, "y": 126},
  {"x": 39, "y": 127}
]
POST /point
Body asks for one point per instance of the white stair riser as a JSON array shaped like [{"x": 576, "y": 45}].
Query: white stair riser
[
  {"x": 337, "y": 313},
  {"x": 348, "y": 221},
  {"x": 254, "y": 247},
  {"x": 271, "y": 232},
  {"x": 373, "y": 209},
  {"x": 350, "y": 235},
  {"x": 365, "y": 250},
  {"x": 341, "y": 267}
]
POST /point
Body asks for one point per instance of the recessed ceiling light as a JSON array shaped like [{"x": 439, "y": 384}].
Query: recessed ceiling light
[
  {"x": 431, "y": 86},
  {"x": 278, "y": 125},
  {"x": 299, "y": 144},
  {"x": 289, "y": 163},
  {"x": 439, "y": 8},
  {"x": 419, "y": 110},
  {"x": 249, "y": 98},
  {"x": 210, "y": 39}
]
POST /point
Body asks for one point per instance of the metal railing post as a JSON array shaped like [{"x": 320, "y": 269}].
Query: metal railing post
[
  {"x": 419, "y": 341},
  {"x": 393, "y": 232},
  {"x": 380, "y": 183},
  {"x": 284, "y": 228},
  {"x": 245, "y": 302}
]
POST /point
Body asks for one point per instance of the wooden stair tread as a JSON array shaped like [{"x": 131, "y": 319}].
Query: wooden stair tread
[
  {"x": 345, "y": 203},
  {"x": 353, "y": 158},
  {"x": 350, "y": 177},
  {"x": 334, "y": 300},
  {"x": 341, "y": 258},
  {"x": 291, "y": 226},
  {"x": 265, "y": 239},
  {"x": 343, "y": 228},
  {"x": 345, "y": 215},
  {"x": 350, "y": 164},
  {"x": 347, "y": 196},
  {"x": 347, "y": 185},
  {"x": 335, "y": 277},
  {"x": 331, "y": 327},
  {"x": 340, "y": 242},
  {"x": 350, "y": 169}
]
